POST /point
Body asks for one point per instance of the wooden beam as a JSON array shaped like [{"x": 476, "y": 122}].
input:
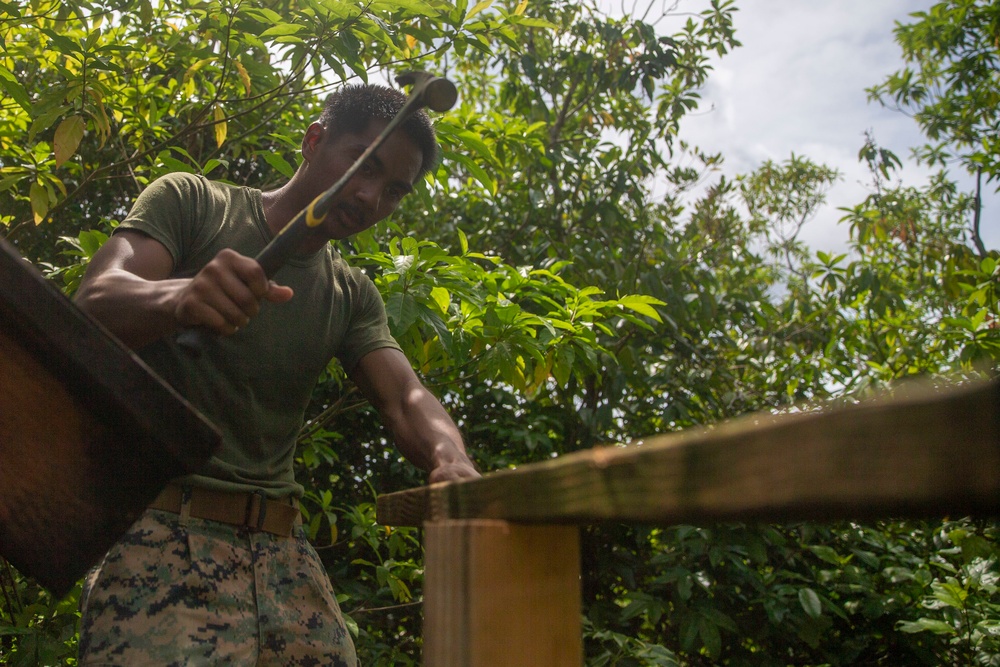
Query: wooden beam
[
  {"x": 921, "y": 453},
  {"x": 104, "y": 375},
  {"x": 501, "y": 595},
  {"x": 88, "y": 434}
]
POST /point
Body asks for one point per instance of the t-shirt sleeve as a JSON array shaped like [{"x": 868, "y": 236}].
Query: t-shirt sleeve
[
  {"x": 369, "y": 329},
  {"x": 163, "y": 211}
]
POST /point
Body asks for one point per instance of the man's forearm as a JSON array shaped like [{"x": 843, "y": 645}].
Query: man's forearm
[
  {"x": 135, "y": 310},
  {"x": 420, "y": 426},
  {"x": 427, "y": 436}
]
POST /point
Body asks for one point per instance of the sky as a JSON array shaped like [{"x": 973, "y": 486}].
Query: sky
[{"x": 797, "y": 85}]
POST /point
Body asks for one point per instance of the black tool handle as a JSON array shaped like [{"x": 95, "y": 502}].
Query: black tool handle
[
  {"x": 193, "y": 341},
  {"x": 271, "y": 258},
  {"x": 280, "y": 249}
]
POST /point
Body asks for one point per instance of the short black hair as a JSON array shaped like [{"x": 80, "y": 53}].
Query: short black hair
[{"x": 353, "y": 107}]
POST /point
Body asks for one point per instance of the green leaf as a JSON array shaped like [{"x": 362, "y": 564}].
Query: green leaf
[
  {"x": 402, "y": 311},
  {"x": 8, "y": 182},
  {"x": 67, "y": 138},
  {"x": 281, "y": 30},
  {"x": 213, "y": 164},
  {"x": 642, "y": 305},
  {"x": 262, "y": 14},
  {"x": 927, "y": 625},
  {"x": 13, "y": 87},
  {"x": 950, "y": 593},
  {"x": 441, "y": 297},
  {"x": 710, "y": 637},
  {"x": 476, "y": 143},
  {"x": 827, "y": 554},
  {"x": 480, "y": 174},
  {"x": 278, "y": 163},
  {"x": 91, "y": 241},
  {"x": 173, "y": 164},
  {"x": 39, "y": 196},
  {"x": 810, "y": 602},
  {"x": 720, "y": 619},
  {"x": 529, "y": 22},
  {"x": 416, "y": 7},
  {"x": 690, "y": 626},
  {"x": 478, "y": 8},
  {"x": 352, "y": 625}
]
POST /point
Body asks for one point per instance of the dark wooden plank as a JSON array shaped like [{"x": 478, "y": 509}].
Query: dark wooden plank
[
  {"x": 88, "y": 433},
  {"x": 98, "y": 369},
  {"x": 925, "y": 453}
]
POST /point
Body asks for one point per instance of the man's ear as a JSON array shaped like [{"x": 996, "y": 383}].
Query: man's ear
[{"x": 314, "y": 135}]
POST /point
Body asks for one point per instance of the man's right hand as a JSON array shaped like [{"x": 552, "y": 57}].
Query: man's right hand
[
  {"x": 128, "y": 288},
  {"x": 226, "y": 294}
]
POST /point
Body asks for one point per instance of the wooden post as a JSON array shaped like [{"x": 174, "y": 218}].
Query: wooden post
[{"x": 501, "y": 594}]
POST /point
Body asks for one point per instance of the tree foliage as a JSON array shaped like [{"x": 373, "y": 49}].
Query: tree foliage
[
  {"x": 550, "y": 286},
  {"x": 950, "y": 87}
]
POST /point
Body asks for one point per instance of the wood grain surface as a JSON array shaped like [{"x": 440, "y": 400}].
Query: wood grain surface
[
  {"x": 921, "y": 452},
  {"x": 497, "y": 593},
  {"x": 88, "y": 434}
]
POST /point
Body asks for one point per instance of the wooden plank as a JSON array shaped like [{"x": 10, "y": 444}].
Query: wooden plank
[
  {"x": 106, "y": 376},
  {"x": 924, "y": 452},
  {"x": 501, "y": 595},
  {"x": 88, "y": 434}
]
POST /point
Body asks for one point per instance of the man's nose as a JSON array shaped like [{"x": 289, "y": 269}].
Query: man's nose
[
  {"x": 370, "y": 196},
  {"x": 369, "y": 193}
]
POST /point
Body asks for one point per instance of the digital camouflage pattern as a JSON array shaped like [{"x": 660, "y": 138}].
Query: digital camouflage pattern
[{"x": 176, "y": 592}]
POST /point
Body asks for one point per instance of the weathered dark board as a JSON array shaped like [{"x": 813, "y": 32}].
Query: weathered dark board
[
  {"x": 927, "y": 453},
  {"x": 89, "y": 435}
]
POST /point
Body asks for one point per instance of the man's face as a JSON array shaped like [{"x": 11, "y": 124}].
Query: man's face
[{"x": 377, "y": 188}]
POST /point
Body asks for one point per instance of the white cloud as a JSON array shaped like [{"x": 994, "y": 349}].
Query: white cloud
[{"x": 798, "y": 85}]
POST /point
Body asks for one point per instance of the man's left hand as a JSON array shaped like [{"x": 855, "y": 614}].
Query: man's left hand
[{"x": 452, "y": 471}]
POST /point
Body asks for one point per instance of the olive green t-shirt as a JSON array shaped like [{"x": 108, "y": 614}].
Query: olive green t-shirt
[{"x": 256, "y": 384}]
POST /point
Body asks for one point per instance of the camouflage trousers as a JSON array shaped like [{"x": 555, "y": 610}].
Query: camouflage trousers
[{"x": 193, "y": 592}]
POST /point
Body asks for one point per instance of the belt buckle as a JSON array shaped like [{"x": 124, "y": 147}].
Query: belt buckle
[{"x": 256, "y": 511}]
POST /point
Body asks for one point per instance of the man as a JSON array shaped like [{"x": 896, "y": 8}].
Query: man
[{"x": 217, "y": 570}]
